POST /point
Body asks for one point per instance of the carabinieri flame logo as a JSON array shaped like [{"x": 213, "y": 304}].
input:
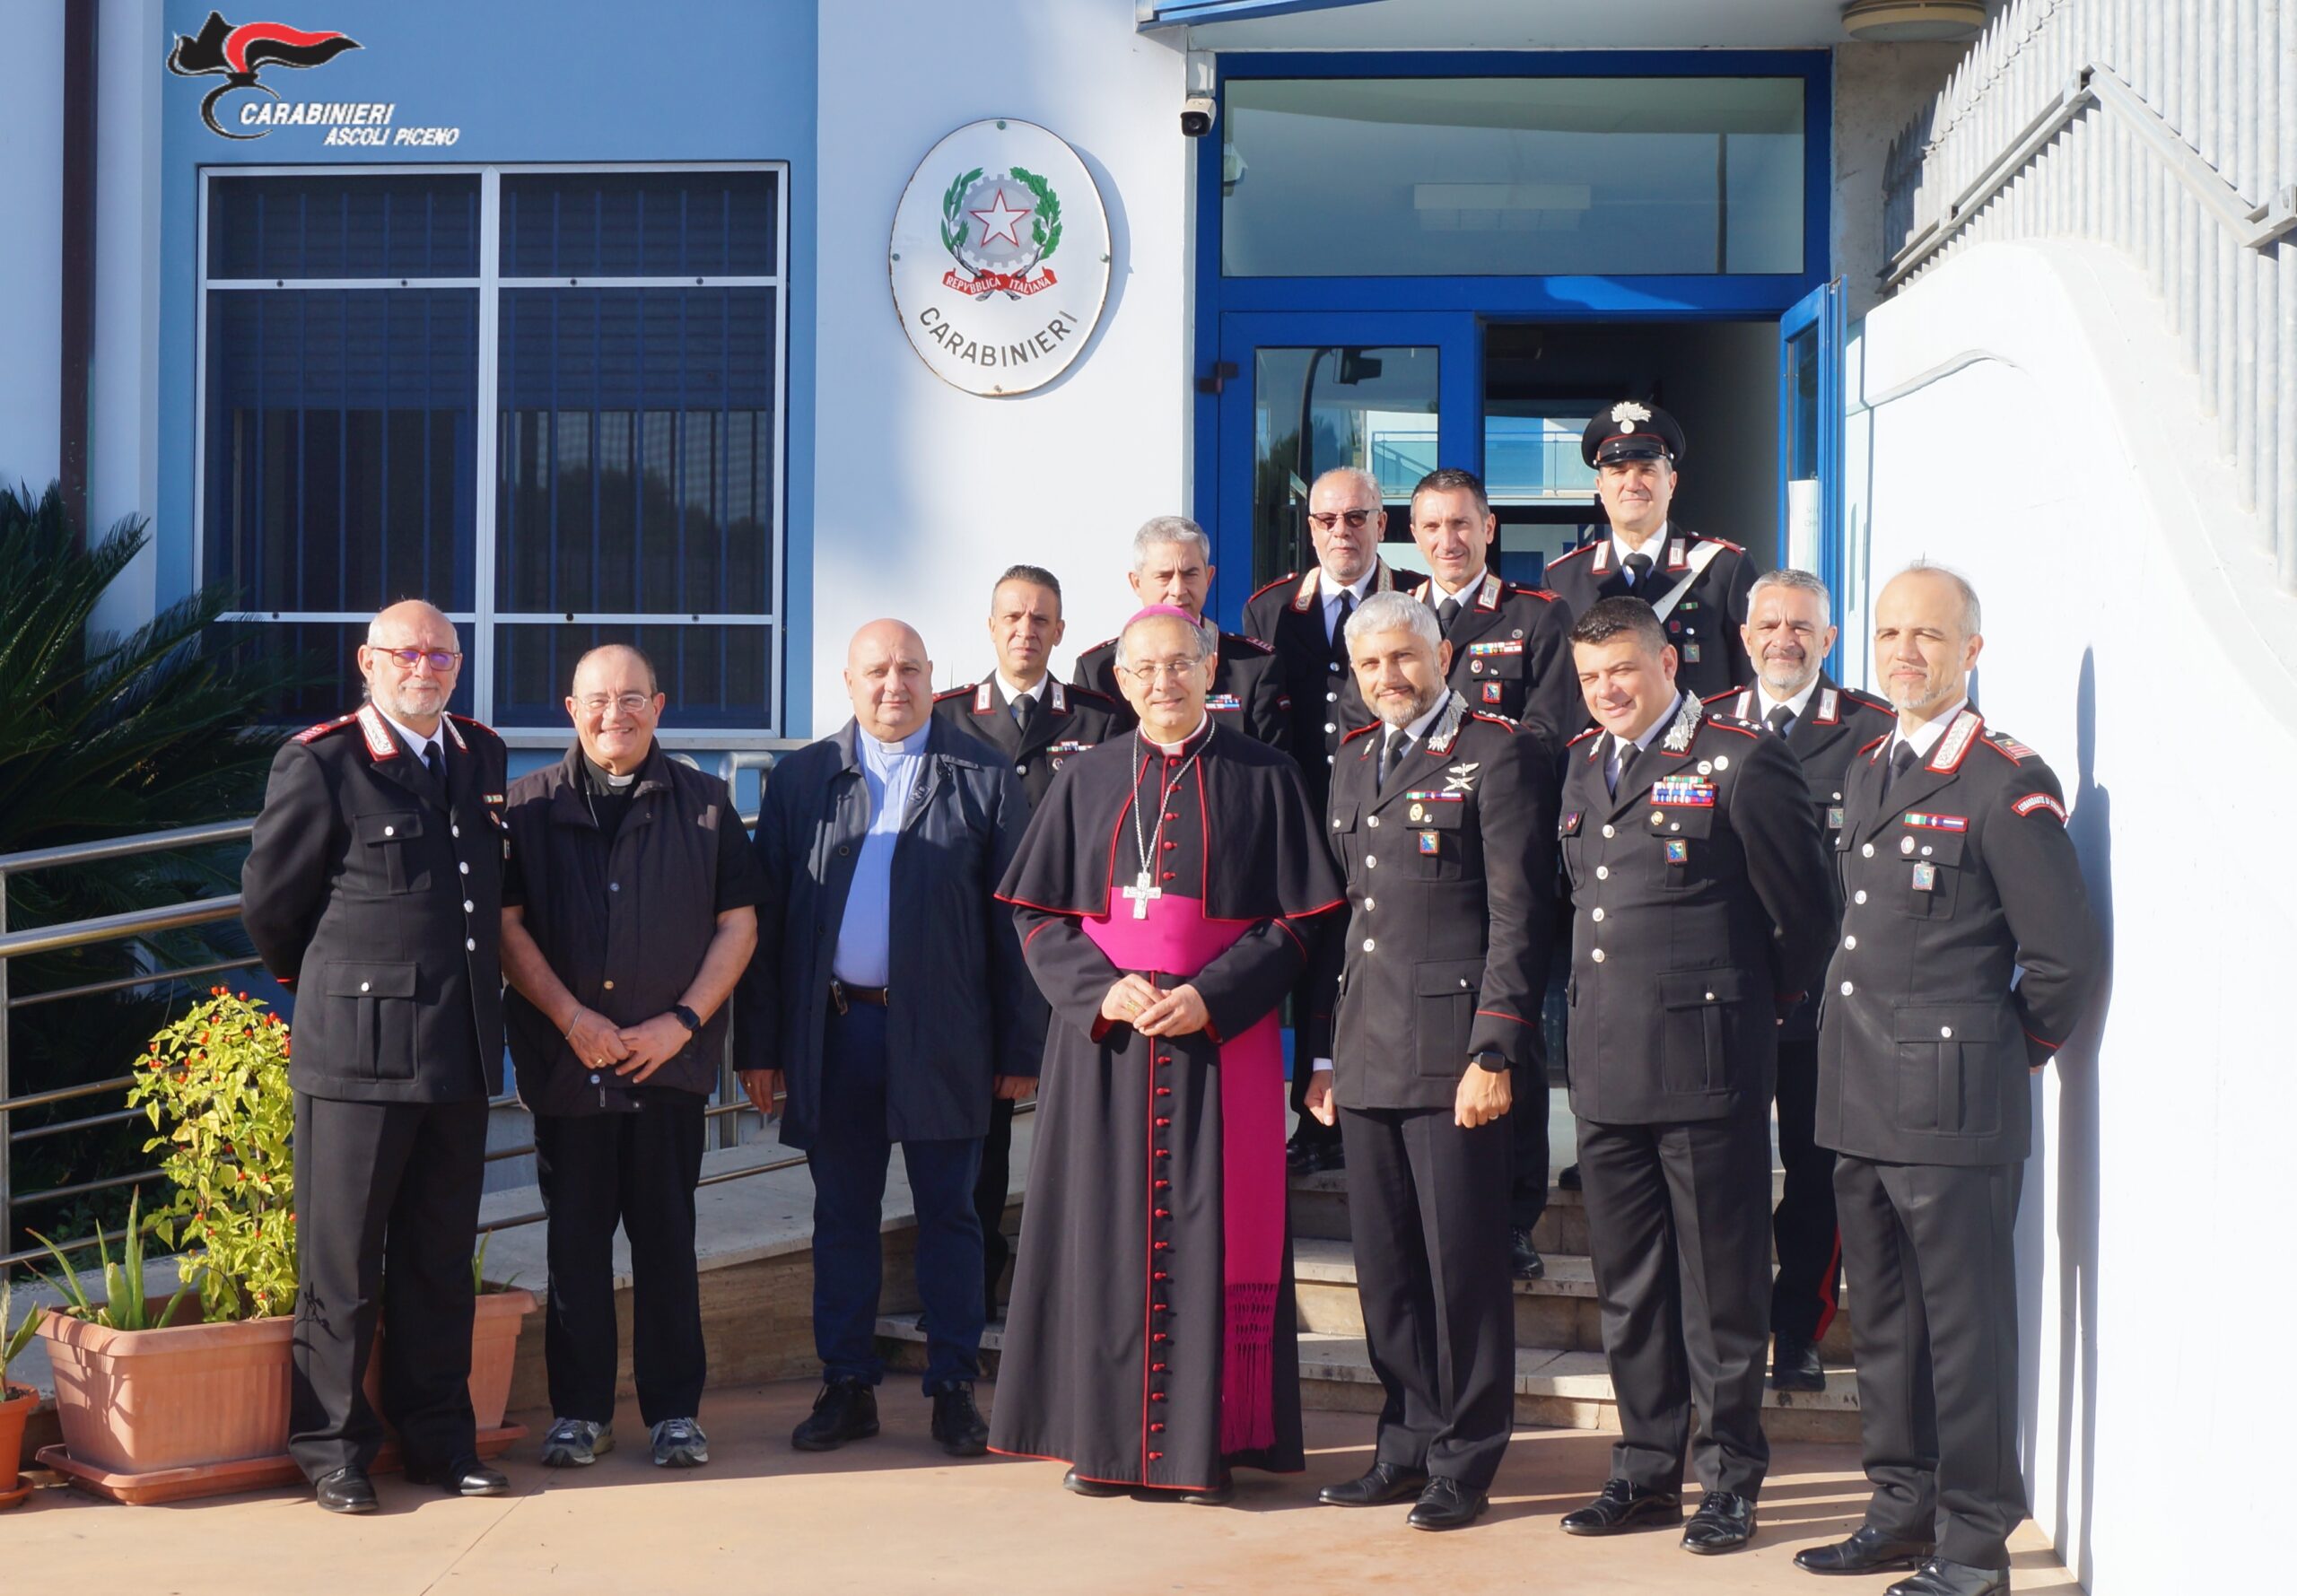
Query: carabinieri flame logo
[{"x": 238, "y": 54}]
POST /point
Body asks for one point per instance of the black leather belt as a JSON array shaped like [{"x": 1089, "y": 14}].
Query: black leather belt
[{"x": 845, "y": 996}]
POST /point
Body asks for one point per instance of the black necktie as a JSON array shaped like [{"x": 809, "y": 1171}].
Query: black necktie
[
  {"x": 1025, "y": 710},
  {"x": 1340, "y": 626},
  {"x": 1638, "y": 566},
  {"x": 1448, "y": 612},
  {"x": 1392, "y": 757},
  {"x": 1901, "y": 761},
  {"x": 1781, "y": 717},
  {"x": 434, "y": 759},
  {"x": 1626, "y": 753}
]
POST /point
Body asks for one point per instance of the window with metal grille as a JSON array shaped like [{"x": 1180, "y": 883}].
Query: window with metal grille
[{"x": 548, "y": 400}]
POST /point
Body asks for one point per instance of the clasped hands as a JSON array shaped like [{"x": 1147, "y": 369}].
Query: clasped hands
[
  {"x": 1136, "y": 1001},
  {"x": 1484, "y": 1095},
  {"x": 633, "y": 1052}
]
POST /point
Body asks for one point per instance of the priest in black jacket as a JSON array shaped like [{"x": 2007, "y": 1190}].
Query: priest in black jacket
[
  {"x": 1151, "y": 1338},
  {"x": 1444, "y": 818}
]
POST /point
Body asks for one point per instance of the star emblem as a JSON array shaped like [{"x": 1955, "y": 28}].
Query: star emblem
[{"x": 1001, "y": 221}]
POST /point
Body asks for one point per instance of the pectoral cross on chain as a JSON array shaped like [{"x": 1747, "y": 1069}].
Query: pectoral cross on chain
[{"x": 1141, "y": 891}]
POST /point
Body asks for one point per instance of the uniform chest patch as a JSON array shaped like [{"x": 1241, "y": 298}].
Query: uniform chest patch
[
  {"x": 1688, "y": 791},
  {"x": 1923, "y": 821},
  {"x": 1485, "y": 650},
  {"x": 1569, "y": 824},
  {"x": 1678, "y": 851}
]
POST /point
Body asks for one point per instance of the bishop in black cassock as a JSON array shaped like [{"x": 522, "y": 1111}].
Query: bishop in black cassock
[{"x": 1150, "y": 1341}]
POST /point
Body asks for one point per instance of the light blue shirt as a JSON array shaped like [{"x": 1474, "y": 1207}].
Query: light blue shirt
[{"x": 864, "y": 936}]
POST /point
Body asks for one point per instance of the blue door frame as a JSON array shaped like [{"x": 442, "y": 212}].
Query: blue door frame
[
  {"x": 1819, "y": 313},
  {"x": 1237, "y": 315}
]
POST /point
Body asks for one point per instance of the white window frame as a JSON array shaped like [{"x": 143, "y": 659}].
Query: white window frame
[{"x": 483, "y": 618}]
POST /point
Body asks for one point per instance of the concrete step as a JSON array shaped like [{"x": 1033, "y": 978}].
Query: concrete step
[
  {"x": 1560, "y": 1310},
  {"x": 1556, "y": 1387},
  {"x": 1566, "y": 1388}
]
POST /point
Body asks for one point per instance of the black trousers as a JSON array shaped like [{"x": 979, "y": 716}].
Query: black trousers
[
  {"x": 1929, "y": 1249},
  {"x": 990, "y": 1191},
  {"x": 1424, "y": 1208},
  {"x": 1527, "y": 1133},
  {"x": 1809, "y": 1283},
  {"x": 386, "y": 1219},
  {"x": 637, "y": 1170},
  {"x": 1675, "y": 1231}
]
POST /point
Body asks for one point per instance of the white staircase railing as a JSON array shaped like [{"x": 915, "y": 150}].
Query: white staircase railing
[{"x": 2167, "y": 130}]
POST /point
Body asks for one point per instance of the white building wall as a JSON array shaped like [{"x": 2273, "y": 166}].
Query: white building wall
[
  {"x": 31, "y": 269},
  {"x": 2023, "y": 417},
  {"x": 922, "y": 493}
]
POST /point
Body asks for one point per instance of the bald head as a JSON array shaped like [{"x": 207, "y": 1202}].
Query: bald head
[
  {"x": 400, "y": 660},
  {"x": 889, "y": 680},
  {"x": 1926, "y": 641},
  {"x": 615, "y": 706}
]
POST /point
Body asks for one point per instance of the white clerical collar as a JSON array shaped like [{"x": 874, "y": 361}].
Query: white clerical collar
[
  {"x": 1014, "y": 695},
  {"x": 912, "y": 744},
  {"x": 1172, "y": 750},
  {"x": 1926, "y": 738},
  {"x": 1794, "y": 705},
  {"x": 1462, "y": 592},
  {"x": 1655, "y": 545},
  {"x": 418, "y": 744}
]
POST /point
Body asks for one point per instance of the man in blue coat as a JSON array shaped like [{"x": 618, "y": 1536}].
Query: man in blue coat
[{"x": 886, "y": 991}]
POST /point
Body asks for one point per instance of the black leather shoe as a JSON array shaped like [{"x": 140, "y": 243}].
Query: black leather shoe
[
  {"x": 346, "y": 1490},
  {"x": 1938, "y": 1577},
  {"x": 1795, "y": 1366},
  {"x": 1724, "y": 1521},
  {"x": 846, "y": 1410},
  {"x": 1376, "y": 1486},
  {"x": 1074, "y": 1481},
  {"x": 1524, "y": 1258},
  {"x": 1622, "y": 1507},
  {"x": 1867, "y": 1551},
  {"x": 465, "y": 1476},
  {"x": 957, "y": 1423},
  {"x": 1447, "y": 1504},
  {"x": 1570, "y": 1179},
  {"x": 1218, "y": 1493}
]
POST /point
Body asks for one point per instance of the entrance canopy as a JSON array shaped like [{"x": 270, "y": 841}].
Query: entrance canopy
[{"x": 1495, "y": 24}]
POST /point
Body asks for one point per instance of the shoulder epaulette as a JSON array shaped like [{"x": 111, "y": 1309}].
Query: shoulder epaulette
[
  {"x": 1592, "y": 731},
  {"x": 313, "y": 734},
  {"x": 1745, "y": 729},
  {"x": 955, "y": 692},
  {"x": 1348, "y": 737},
  {"x": 1525, "y": 591},
  {"x": 1868, "y": 749},
  {"x": 1289, "y": 576},
  {"x": 2009, "y": 747},
  {"x": 1867, "y": 699},
  {"x": 1719, "y": 697},
  {"x": 1091, "y": 696},
  {"x": 1501, "y": 721},
  {"x": 1726, "y": 543},
  {"x": 1567, "y": 559},
  {"x": 1106, "y": 642},
  {"x": 1238, "y": 637}
]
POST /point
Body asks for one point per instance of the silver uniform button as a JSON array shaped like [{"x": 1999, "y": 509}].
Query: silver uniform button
[
  {"x": 1367, "y": 944},
  {"x": 1597, "y": 915},
  {"x": 1946, "y": 1031},
  {"x": 1330, "y": 727},
  {"x": 1370, "y": 863},
  {"x": 614, "y": 886},
  {"x": 1597, "y": 956},
  {"x": 1850, "y": 941},
  {"x": 1905, "y": 844},
  {"x": 1020, "y": 770},
  {"x": 454, "y": 831},
  {"x": 1710, "y": 996},
  {"x": 594, "y": 1080},
  {"x": 1867, "y": 851},
  {"x": 469, "y": 907},
  {"x": 390, "y": 830},
  {"x": 1335, "y": 826},
  {"x": 1331, "y": 698},
  {"x": 1847, "y": 989},
  {"x": 1372, "y": 820},
  {"x": 362, "y": 986},
  {"x": 1610, "y": 832},
  {"x": 471, "y": 943},
  {"x": 1603, "y": 872},
  {"x": 465, "y": 868},
  {"x": 1861, "y": 897},
  {"x": 1369, "y": 905}
]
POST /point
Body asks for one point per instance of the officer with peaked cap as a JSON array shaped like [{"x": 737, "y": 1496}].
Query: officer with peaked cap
[{"x": 1696, "y": 585}]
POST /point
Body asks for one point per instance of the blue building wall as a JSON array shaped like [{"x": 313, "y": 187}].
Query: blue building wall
[{"x": 579, "y": 81}]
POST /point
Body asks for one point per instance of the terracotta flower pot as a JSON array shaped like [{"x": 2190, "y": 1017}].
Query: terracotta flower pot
[
  {"x": 134, "y": 1402},
  {"x": 495, "y": 1323},
  {"x": 16, "y": 1405}
]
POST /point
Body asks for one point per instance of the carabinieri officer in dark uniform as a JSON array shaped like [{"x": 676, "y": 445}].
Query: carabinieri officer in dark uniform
[
  {"x": 1701, "y": 914},
  {"x": 1444, "y": 820},
  {"x": 1967, "y": 955},
  {"x": 1172, "y": 563},
  {"x": 1023, "y": 709},
  {"x": 1696, "y": 585},
  {"x": 373, "y": 890},
  {"x": 1788, "y": 634}
]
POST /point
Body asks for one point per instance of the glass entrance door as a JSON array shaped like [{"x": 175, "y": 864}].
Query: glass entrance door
[
  {"x": 1810, "y": 454},
  {"x": 1393, "y": 394}
]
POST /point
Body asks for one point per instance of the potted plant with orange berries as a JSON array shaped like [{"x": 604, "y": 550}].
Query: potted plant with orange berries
[{"x": 152, "y": 1406}]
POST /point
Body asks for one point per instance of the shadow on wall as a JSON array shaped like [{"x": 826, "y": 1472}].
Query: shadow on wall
[{"x": 2072, "y": 1204}]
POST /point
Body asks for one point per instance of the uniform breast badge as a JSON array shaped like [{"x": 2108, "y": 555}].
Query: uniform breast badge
[
  {"x": 1926, "y": 877},
  {"x": 1677, "y": 852},
  {"x": 1428, "y": 842}
]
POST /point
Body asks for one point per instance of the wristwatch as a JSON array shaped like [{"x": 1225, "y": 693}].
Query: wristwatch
[
  {"x": 1496, "y": 1063},
  {"x": 686, "y": 1018}
]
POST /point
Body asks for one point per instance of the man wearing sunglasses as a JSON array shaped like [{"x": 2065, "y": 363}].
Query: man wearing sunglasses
[{"x": 372, "y": 889}]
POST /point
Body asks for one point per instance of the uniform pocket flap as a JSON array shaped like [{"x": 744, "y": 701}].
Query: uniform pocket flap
[
  {"x": 1343, "y": 816},
  {"x": 389, "y": 828},
  {"x": 1440, "y": 977},
  {"x": 1696, "y": 989},
  {"x": 371, "y": 981},
  {"x": 1948, "y": 1022},
  {"x": 1934, "y": 842},
  {"x": 1671, "y": 820},
  {"x": 1443, "y": 815}
]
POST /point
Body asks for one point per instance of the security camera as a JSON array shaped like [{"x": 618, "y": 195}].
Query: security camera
[{"x": 1197, "y": 112}]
